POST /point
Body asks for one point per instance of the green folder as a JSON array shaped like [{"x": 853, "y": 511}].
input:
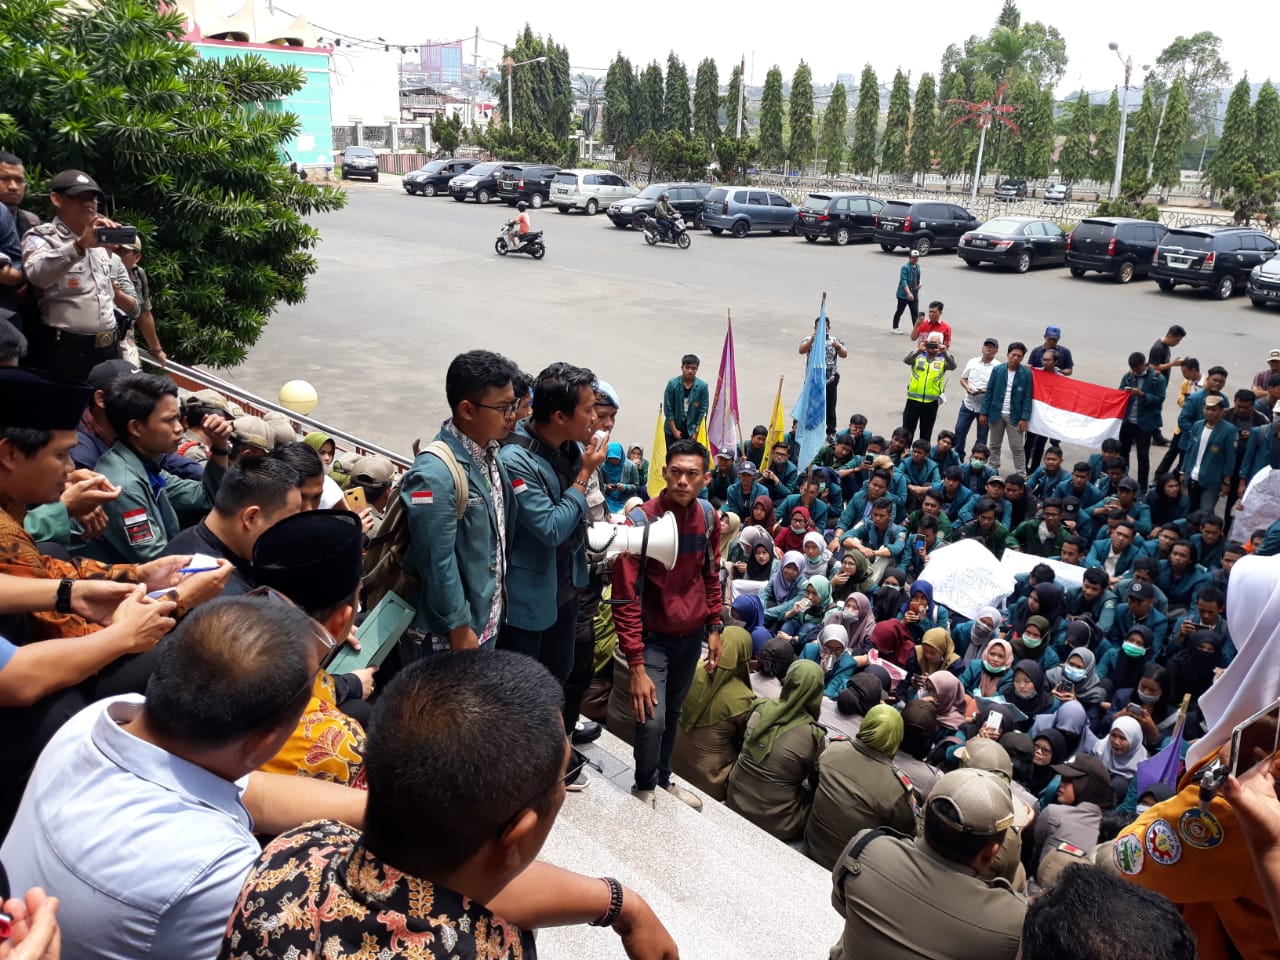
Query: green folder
[{"x": 385, "y": 624}]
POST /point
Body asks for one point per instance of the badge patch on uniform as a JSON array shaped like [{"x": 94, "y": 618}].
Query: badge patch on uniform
[
  {"x": 1163, "y": 845},
  {"x": 518, "y": 486},
  {"x": 1200, "y": 828},
  {"x": 1126, "y": 852},
  {"x": 421, "y": 498},
  {"x": 137, "y": 527}
]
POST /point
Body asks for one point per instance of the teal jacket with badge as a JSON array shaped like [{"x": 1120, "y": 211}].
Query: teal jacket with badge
[
  {"x": 141, "y": 522},
  {"x": 547, "y": 515},
  {"x": 456, "y": 559},
  {"x": 1219, "y": 458},
  {"x": 1150, "y": 410}
]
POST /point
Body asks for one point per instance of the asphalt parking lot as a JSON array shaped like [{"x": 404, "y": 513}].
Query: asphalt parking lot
[{"x": 405, "y": 283}]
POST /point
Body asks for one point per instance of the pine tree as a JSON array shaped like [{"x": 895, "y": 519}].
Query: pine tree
[
  {"x": 1010, "y": 16},
  {"x": 831, "y": 141},
  {"x": 652, "y": 92},
  {"x": 731, "y": 101},
  {"x": 924, "y": 125},
  {"x": 706, "y": 102},
  {"x": 1075, "y": 162},
  {"x": 1140, "y": 136},
  {"x": 619, "y": 111},
  {"x": 771, "y": 145},
  {"x": 1239, "y": 136},
  {"x": 1027, "y": 152},
  {"x": 1174, "y": 129},
  {"x": 862, "y": 156},
  {"x": 1266, "y": 112},
  {"x": 954, "y": 139},
  {"x": 676, "y": 113},
  {"x": 897, "y": 127},
  {"x": 801, "y": 146},
  {"x": 1105, "y": 141}
]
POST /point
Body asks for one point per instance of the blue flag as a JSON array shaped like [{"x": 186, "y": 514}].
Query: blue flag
[
  {"x": 810, "y": 412},
  {"x": 1166, "y": 766}
]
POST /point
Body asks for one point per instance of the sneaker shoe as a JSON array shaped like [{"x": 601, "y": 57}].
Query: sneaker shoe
[
  {"x": 1159, "y": 440},
  {"x": 585, "y": 731},
  {"x": 687, "y": 797},
  {"x": 579, "y": 783},
  {"x": 646, "y": 797}
]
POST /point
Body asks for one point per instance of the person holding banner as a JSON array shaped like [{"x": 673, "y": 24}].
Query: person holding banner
[{"x": 835, "y": 351}]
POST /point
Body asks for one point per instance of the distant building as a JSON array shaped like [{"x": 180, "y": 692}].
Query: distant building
[
  {"x": 848, "y": 79},
  {"x": 442, "y": 62}
]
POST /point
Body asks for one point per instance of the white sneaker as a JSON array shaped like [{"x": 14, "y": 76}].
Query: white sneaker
[
  {"x": 686, "y": 797},
  {"x": 646, "y": 797}
]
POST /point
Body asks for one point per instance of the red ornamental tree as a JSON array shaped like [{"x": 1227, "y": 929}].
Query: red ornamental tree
[{"x": 984, "y": 113}]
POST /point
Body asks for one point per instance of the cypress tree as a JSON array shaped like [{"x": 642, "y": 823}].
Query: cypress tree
[
  {"x": 893, "y": 148},
  {"x": 801, "y": 147},
  {"x": 1075, "y": 162},
  {"x": 652, "y": 92},
  {"x": 1174, "y": 130},
  {"x": 731, "y": 100},
  {"x": 1105, "y": 141},
  {"x": 862, "y": 155},
  {"x": 706, "y": 102},
  {"x": 831, "y": 141},
  {"x": 1239, "y": 138},
  {"x": 771, "y": 145},
  {"x": 1266, "y": 112},
  {"x": 924, "y": 125},
  {"x": 676, "y": 114},
  {"x": 953, "y": 139},
  {"x": 1140, "y": 137}
]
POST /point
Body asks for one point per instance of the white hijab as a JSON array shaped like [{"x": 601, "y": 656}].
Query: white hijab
[
  {"x": 1252, "y": 681},
  {"x": 1122, "y": 764}
]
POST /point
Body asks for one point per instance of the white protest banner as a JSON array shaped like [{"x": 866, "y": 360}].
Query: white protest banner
[
  {"x": 1064, "y": 574},
  {"x": 1260, "y": 505},
  {"x": 967, "y": 577}
]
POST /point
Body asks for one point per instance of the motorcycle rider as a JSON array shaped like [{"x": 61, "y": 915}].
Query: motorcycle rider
[
  {"x": 665, "y": 214},
  {"x": 518, "y": 227}
]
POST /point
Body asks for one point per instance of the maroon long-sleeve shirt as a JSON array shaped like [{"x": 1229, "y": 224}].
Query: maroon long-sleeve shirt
[{"x": 678, "y": 601}]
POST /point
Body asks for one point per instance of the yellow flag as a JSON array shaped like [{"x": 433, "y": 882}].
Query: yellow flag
[
  {"x": 777, "y": 426},
  {"x": 657, "y": 456},
  {"x": 702, "y": 434}
]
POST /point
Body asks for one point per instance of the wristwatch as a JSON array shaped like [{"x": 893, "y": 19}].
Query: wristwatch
[{"x": 62, "y": 603}]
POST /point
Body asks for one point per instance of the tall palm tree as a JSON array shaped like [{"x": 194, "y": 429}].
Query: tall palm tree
[{"x": 984, "y": 114}]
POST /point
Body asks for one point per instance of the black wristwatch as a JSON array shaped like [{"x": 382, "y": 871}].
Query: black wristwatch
[{"x": 62, "y": 604}]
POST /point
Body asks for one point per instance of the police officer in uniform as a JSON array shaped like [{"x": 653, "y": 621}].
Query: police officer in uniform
[
  {"x": 929, "y": 364},
  {"x": 906, "y": 899},
  {"x": 79, "y": 285}
]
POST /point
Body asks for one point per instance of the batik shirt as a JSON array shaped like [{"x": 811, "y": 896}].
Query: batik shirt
[
  {"x": 326, "y": 744},
  {"x": 317, "y": 891}
]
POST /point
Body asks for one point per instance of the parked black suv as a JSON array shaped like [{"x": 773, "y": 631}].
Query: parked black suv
[
  {"x": 839, "y": 216},
  {"x": 1264, "y": 283},
  {"x": 480, "y": 182},
  {"x": 922, "y": 225},
  {"x": 526, "y": 181},
  {"x": 1121, "y": 246},
  {"x": 1011, "y": 190},
  {"x": 433, "y": 179},
  {"x": 689, "y": 198},
  {"x": 1210, "y": 255}
]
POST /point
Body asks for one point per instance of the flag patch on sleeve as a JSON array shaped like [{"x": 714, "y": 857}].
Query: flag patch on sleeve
[
  {"x": 518, "y": 486},
  {"x": 421, "y": 498}
]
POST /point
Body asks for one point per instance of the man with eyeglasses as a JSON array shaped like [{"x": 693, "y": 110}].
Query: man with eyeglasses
[
  {"x": 444, "y": 865},
  {"x": 462, "y": 560}
]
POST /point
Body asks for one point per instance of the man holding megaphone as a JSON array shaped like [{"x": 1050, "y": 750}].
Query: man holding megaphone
[{"x": 663, "y": 614}]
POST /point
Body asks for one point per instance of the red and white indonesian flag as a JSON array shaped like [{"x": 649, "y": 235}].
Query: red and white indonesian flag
[{"x": 1075, "y": 411}]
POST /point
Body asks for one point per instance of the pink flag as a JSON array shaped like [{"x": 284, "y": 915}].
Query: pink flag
[
  {"x": 722, "y": 424},
  {"x": 1075, "y": 411}
]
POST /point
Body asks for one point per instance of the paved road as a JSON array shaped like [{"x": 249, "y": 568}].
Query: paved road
[{"x": 405, "y": 283}]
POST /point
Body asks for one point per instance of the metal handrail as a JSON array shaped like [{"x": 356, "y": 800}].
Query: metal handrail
[{"x": 193, "y": 378}]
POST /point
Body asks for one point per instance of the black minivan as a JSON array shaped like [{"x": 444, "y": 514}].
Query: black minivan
[
  {"x": 1121, "y": 246},
  {"x": 922, "y": 225},
  {"x": 1210, "y": 255},
  {"x": 839, "y": 216},
  {"x": 530, "y": 182}
]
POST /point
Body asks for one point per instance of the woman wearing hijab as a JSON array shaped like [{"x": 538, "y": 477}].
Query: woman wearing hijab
[
  {"x": 818, "y": 561},
  {"x": 636, "y": 456},
  {"x": 784, "y": 588},
  {"x": 853, "y": 575},
  {"x": 750, "y": 610},
  {"x": 862, "y": 693},
  {"x": 1121, "y": 752},
  {"x": 621, "y": 479},
  {"x": 1213, "y": 881},
  {"x": 1153, "y": 703},
  {"x": 1072, "y": 722},
  {"x": 1021, "y": 757},
  {"x": 750, "y": 561},
  {"x": 831, "y": 652},
  {"x": 772, "y": 781},
  {"x": 713, "y": 719},
  {"x": 1049, "y": 747},
  {"x": 933, "y": 653},
  {"x": 1028, "y": 690},
  {"x": 761, "y": 514},
  {"x": 1081, "y": 632},
  {"x": 1084, "y": 791},
  {"x": 920, "y": 613},
  {"x": 1077, "y": 681},
  {"x": 790, "y": 535},
  {"x": 805, "y": 617},
  {"x": 983, "y": 677},
  {"x": 858, "y": 788},
  {"x": 919, "y": 730},
  {"x": 859, "y": 621},
  {"x": 1033, "y": 642},
  {"x": 1045, "y": 600},
  {"x": 944, "y": 690},
  {"x": 1192, "y": 665},
  {"x": 893, "y": 642},
  {"x": 1122, "y": 666},
  {"x": 331, "y": 496},
  {"x": 888, "y": 595},
  {"x": 972, "y": 636},
  {"x": 775, "y": 659}
]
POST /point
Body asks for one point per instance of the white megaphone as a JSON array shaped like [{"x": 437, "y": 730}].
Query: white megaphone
[{"x": 658, "y": 541}]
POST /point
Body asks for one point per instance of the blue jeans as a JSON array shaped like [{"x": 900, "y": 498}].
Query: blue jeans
[
  {"x": 964, "y": 418},
  {"x": 670, "y": 663}
]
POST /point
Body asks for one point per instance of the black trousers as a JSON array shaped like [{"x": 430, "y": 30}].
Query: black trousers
[
  {"x": 832, "y": 386},
  {"x": 1172, "y": 459},
  {"x": 921, "y": 414},
  {"x": 1033, "y": 446},
  {"x": 910, "y": 305},
  {"x": 71, "y": 357},
  {"x": 552, "y": 647},
  {"x": 584, "y": 650},
  {"x": 1132, "y": 436}
]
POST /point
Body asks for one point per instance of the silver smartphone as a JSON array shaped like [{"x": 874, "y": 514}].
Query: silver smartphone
[{"x": 1255, "y": 740}]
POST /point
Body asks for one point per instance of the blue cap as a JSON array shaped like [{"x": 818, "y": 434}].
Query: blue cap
[
  {"x": 1054, "y": 332},
  {"x": 606, "y": 396}
]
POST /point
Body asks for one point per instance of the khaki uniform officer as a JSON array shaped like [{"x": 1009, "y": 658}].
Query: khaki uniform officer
[{"x": 906, "y": 899}]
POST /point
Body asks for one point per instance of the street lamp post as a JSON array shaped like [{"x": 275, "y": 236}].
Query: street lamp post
[
  {"x": 511, "y": 65},
  {"x": 1124, "y": 117}
]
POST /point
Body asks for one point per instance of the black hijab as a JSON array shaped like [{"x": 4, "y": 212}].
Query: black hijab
[
  {"x": 1129, "y": 669},
  {"x": 863, "y": 692},
  {"x": 919, "y": 727},
  {"x": 887, "y": 599},
  {"x": 1191, "y": 670},
  {"x": 1039, "y": 702},
  {"x": 776, "y": 656},
  {"x": 1040, "y": 776},
  {"x": 1083, "y": 632}
]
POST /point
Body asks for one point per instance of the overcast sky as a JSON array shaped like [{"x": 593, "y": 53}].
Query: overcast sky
[{"x": 832, "y": 37}]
